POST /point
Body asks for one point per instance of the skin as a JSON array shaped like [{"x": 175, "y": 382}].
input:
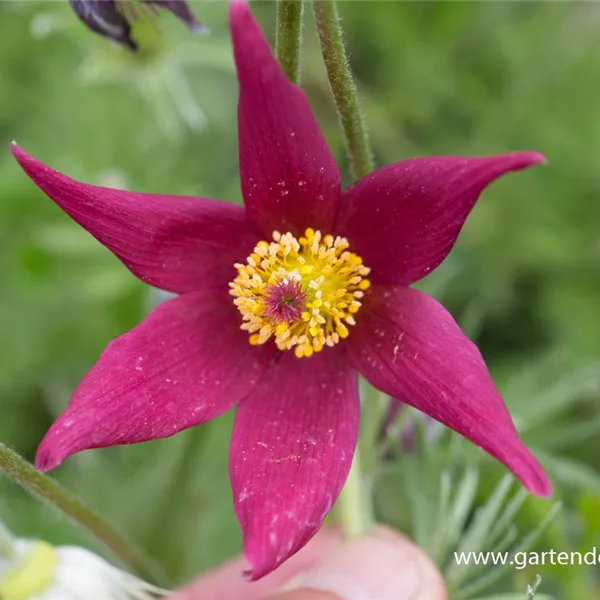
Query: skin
[{"x": 381, "y": 566}]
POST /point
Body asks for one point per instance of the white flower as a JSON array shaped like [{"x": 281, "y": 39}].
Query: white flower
[{"x": 36, "y": 570}]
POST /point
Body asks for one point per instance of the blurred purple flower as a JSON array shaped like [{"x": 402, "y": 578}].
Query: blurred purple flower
[
  {"x": 113, "y": 18},
  {"x": 405, "y": 435},
  {"x": 297, "y": 412}
]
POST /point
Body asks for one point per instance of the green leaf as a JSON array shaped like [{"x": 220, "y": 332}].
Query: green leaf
[
  {"x": 571, "y": 472},
  {"x": 477, "y": 533},
  {"x": 455, "y": 519}
]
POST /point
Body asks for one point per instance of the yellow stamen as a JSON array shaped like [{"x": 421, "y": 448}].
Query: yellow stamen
[
  {"x": 304, "y": 291},
  {"x": 33, "y": 576}
]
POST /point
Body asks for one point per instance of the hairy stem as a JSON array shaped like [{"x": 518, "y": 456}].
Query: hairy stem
[
  {"x": 22, "y": 472},
  {"x": 343, "y": 87},
  {"x": 288, "y": 37}
]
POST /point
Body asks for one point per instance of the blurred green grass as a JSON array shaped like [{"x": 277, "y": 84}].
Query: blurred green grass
[{"x": 437, "y": 78}]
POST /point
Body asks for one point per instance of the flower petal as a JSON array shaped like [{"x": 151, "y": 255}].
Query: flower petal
[
  {"x": 289, "y": 178},
  {"x": 185, "y": 364},
  {"x": 404, "y": 219},
  {"x": 182, "y": 11},
  {"x": 175, "y": 243},
  {"x": 104, "y": 18},
  {"x": 407, "y": 345},
  {"x": 113, "y": 19},
  {"x": 293, "y": 442}
]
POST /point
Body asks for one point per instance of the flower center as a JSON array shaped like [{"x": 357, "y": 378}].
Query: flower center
[{"x": 304, "y": 292}]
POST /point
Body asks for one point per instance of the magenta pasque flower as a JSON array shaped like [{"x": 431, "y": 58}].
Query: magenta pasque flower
[{"x": 281, "y": 305}]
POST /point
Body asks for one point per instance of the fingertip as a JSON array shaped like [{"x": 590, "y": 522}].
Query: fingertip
[
  {"x": 306, "y": 594},
  {"x": 382, "y": 566},
  {"x": 227, "y": 582}
]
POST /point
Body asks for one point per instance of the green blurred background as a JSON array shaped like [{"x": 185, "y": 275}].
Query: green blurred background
[{"x": 436, "y": 78}]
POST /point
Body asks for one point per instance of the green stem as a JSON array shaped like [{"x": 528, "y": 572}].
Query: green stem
[
  {"x": 353, "y": 507},
  {"x": 48, "y": 490},
  {"x": 343, "y": 87},
  {"x": 288, "y": 37},
  {"x": 371, "y": 423}
]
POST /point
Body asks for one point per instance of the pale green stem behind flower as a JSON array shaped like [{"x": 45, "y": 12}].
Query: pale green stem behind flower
[{"x": 353, "y": 508}]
